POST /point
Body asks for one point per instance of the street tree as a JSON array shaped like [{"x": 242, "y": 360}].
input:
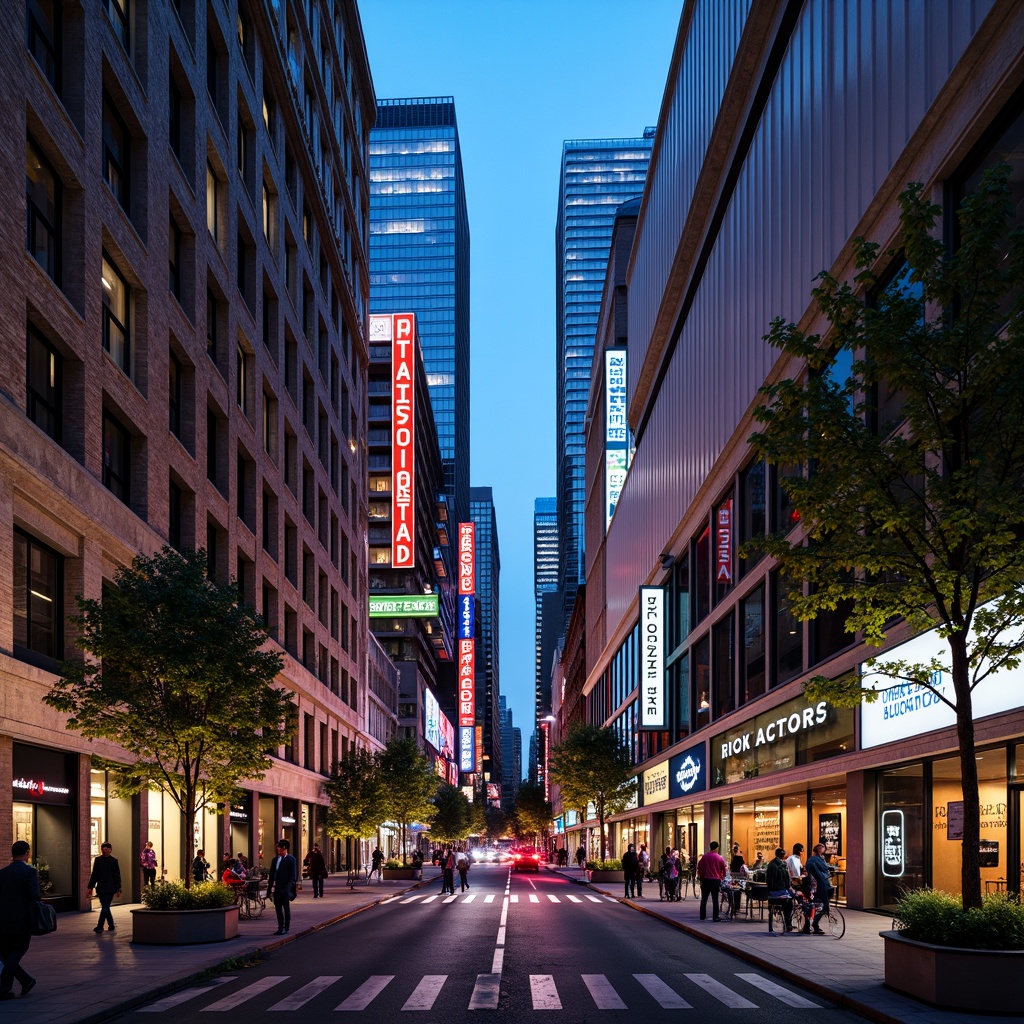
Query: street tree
[
  {"x": 176, "y": 675},
  {"x": 496, "y": 824},
  {"x": 592, "y": 766},
  {"x": 357, "y": 806},
  {"x": 409, "y": 785},
  {"x": 531, "y": 814},
  {"x": 452, "y": 815},
  {"x": 906, "y": 418}
]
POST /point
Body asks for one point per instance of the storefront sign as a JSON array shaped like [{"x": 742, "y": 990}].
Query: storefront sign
[
  {"x": 40, "y": 776},
  {"x": 767, "y": 828},
  {"x": 893, "y": 844},
  {"x": 656, "y": 784},
  {"x": 907, "y": 709},
  {"x": 616, "y": 428},
  {"x": 417, "y": 606},
  {"x": 431, "y": 719},
  {"x": 467, "y": 615},
  {"x": 988, "y": 853},
  {"x": 570, "y": 818},
  {"x": 466, "y": 751},
  {"x": 830, "y": 833},
  {"x": 403, "y": 444},
  {"x": 652, "y": 658},
  {"x": 955, "y": 820},
  {"x": 559, "y": 824},
  {"x": 723, "y": 543},
  {"x": 686, "y": 773}
]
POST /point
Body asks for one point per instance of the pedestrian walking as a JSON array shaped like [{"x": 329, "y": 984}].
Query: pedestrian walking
[
  {"x": 817, "y": 869},
  {"x": 19, "y": 890},
  {"x": 462, "y": 866},
  {"x": 377, "y": 864},
  {"x": 284, "y": 876},
  {"x": 200, "y": 867},
  {"x": 796, "y": 868},
  {"x": 148, "y": 861},
  {"x": 317, "y": 867},
  {"x": 581, "y": 856},
  {"x": 106, "y": 880},
  {"x": 711, "y": 871},
  {"x": 630, "y": 866},
  {"x": 447, "y": 871},
  {"x": 779, "y": 892},
  {"x": 670, "y": 872}
]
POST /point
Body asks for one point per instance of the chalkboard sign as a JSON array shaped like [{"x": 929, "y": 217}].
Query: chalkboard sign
[
  {"x": 830, "y": 834},
  {"x": 988, "y": 853}
]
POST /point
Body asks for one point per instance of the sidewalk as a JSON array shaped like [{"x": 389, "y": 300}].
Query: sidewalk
[
  {"x": 848, "y": 972},
  {"x": 84, "y": 977}
]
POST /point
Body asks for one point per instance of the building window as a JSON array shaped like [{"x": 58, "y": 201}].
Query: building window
[
  {"x": 242, "y": 380},
  {"x": 753, "y": 512},
  {"x": 116, "y": 458},
  {"x": 174, "y": 117},
  {"x": 269, "y": 215},
  {"x": 174, "y": 395},
  {"x": 211, "y": 201},
  {"x": 38, "y": 589},
  {"x": 174, "y": 259},
  {"x": 702, "y": 576},
  {"x": 212, "y": 70},
  {"x": 118, "y": 12},
  {"x": 174, "y": 510},
  {"x": 789, "y": 636},
  {"x": 752, "y": 657},
  {"x": 44, "y": 385},
  {"x": 211, "y": 324},
  {"x": 269, "y": 118},
  {"x": 116, "y": 155},
  {"x": 44, "y": 37},
  {"x": 43, "y": 195},
  {"x": 116, "y": 314}
]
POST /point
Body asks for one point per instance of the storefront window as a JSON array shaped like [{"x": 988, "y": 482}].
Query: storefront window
[
  {"x": 947, "y": 821},
  {"x": 900, "y": 830},
  {"x": 794, "y": 822},
  {"x": 701, "y": 655}
]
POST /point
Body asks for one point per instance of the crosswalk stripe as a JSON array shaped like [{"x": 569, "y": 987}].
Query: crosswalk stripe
[
  {"x": 177, "y": 998},
  {"x": 534, "y": 898},
  {"x": 553, "y": 898},
  {"x": 366, "y": 993},
  {"x": 412, "y": 899},
  {"x": 470, "y": 898},
  {"x": 786, "y": 995},
  {"x": 430, "y": 899},
  {"x": 390, "y": 899},
  {"x": 486, "y": 992},
  {"x": 611, "y": 899},
  {"x": 600, "y": 988},
  {"x": 426, "y": 992},
  {"x": 489, "y": 898},
  {"x": 720, "y": 992},
  {"x": 245, "y": 994},
  {"x": 303, "y": 995},
  {"x": 513, "y": 899},
  {"x": 545, "y": 995},
  {"x": 450, "y": 899},
  {"x": 665, "y": 997},
  {"x": 594, "y": 899},
  {"x": 574, "y": 899}
]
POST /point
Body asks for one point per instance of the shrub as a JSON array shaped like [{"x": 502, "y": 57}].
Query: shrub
[
  {"x": 174, "y": 896},
  {"x": 604, "y": 865},
  {"x": 392, "y": 863},
  {"x": 928, "y": 915}
]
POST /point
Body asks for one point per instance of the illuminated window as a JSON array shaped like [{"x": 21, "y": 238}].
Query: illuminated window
[{"x": 116, "y": 311}]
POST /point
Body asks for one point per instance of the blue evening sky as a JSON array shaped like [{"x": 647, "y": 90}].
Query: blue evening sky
[{"x": 526, "y": 75}]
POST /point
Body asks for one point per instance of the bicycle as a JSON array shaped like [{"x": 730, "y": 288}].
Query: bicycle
[
  {"x": 803, "y": 914},
  {"x": 251, "y": 902}
]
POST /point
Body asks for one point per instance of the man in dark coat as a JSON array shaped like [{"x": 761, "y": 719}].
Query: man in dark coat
[
  {"x": 19, "y": 889},
  {"x": 284, "y": 875},
  {"x": 106, "y": 880},
  {"x": 630, "y": 866},
  {"x": 817, "y": 868},
  {"x": 317, "y": 866},
  {"x": 779, "y": 892}
]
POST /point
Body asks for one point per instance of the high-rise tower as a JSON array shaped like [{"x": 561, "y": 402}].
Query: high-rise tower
[
  {"x": 488, "y": 571},
  {"x": 597, "y": 175},
  {"x": 419, "y": 260},
  {"x": 547, "y": 625}
]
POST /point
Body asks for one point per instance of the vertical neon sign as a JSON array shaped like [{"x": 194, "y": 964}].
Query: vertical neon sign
[
  {"x": 403, "y": 447},
  {"x": 467, "y": 646}
]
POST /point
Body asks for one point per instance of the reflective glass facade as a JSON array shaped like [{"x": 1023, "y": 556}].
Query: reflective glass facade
[
  {"x": 597, "y": 176},
  {"x": 488, "y": 571},
  {"x": 545, "y": 581},
  {"x": 419, "y": 259}
]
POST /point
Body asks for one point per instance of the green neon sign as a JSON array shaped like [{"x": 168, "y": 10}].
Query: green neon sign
[{"x": 418, "y": 606}]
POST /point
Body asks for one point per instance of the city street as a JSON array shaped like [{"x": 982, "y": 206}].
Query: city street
[{"x": 554, "y": 945}]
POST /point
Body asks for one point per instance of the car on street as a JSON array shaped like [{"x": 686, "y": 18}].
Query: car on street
[
  {"x": 526, "y": 858},
  {"x": 483, "y": 855}
]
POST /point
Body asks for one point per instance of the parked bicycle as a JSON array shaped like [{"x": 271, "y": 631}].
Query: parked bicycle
[
  {"x": 804, "y": 914},
  {"x": 251, "y": 901}
]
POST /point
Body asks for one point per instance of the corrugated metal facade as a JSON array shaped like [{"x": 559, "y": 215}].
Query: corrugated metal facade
[{"x": 854, "y": 84}]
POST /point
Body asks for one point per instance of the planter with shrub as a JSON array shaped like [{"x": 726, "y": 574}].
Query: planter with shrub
[
  {"x": 954, "y": 958},
  {"x": 604, "y": 870},
  {"x": 176, "y": 916}
]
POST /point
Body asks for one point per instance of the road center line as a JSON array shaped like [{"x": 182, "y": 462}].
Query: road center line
[{"x": 501, "y": 936}]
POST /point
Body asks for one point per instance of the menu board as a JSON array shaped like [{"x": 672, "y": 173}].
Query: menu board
[
  {"x": 830, "y": 834},
  {"x": 766, "y": 829}
]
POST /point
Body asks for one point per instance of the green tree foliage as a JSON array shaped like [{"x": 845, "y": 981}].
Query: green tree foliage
[
  {"x": 591, "y": 765},
  {"x": 356, "y": 792},
  {"x": 409, "y": 785},
  {"x": 919, "y": 518},
  {"x": 531, "y": 815},
  {"x": 452, "y": 815},
  {"x": 496, "y": 824},
  {"x": 176, "y": 676}
]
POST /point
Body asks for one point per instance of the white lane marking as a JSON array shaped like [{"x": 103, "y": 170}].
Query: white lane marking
[
  {"x": 666, "y": 998},
  {"x": 390, "y": 899},
  {"x": 366, "y": 993},
  {"x": 534, "y": 898},
  {"x": 501, "y": 936},
  {"x": 498, "y": 962},
  {"x": 489, "y": 898},
  {"x": 430, "y": 899},
  {"x": 450, "y": 899},
  {"x": 303, "y": 995},
  {"x": 594, "y": 899},
  {"x": 611, "y": 899},
  {"x": 554, "y": 899},
  {"x": 169, "y": 1002},
  {"x": 513, "y": 899},
  {"x": 485, "y": 992},
  {"x": 724, "y": 995},
  {"x": 786, "y": 995},
  {"x": 245, "y": 994},
  {"x": 469, "y": 899},
  {"x": 604, "y": 996},
  {"x": 545, "y": 995},
  {"x": 426, "y": 992},
  {"x": 574, "y": 899},
  {"x": 412, "y": 899}
]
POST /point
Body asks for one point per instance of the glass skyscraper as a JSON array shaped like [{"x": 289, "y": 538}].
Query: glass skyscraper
[
  {"x": 488, "y": 573},
  {"x": 597, "y": 176},
  {"x": 545, "y": 581},
  {"x": 419, "y": 260}
]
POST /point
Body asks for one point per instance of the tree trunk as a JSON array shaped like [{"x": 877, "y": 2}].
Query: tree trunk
[
  {"x": 970, "y": 860},
  {"x": 186, "y": 839},
  {"x": 403, "y": 844},
  {"x": 600, "y": 824}
]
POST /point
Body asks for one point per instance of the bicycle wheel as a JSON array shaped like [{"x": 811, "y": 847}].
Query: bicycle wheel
[
  {"x": 799, "y": 919},
  {"x": 836, "y": 923},
  {"x": 776, "y": 919}
]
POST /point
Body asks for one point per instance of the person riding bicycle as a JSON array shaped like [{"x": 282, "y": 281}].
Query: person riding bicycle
[
  {"x": 817, "y": 868},
  {"x": 779, "y": 892}
]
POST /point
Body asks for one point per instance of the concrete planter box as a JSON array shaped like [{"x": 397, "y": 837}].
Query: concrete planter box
[
  {"x": 976, "y": 980},
  {"x": 402, "y": 874},
  {"x": 607, "y": 876},
  {"x": 184, "y": 927}
]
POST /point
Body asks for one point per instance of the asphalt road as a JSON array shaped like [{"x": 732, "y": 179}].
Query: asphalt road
[{"x": 554, "y": 947}]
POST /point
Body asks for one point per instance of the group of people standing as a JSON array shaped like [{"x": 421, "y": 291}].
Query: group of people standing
[{"x": 452, "y": 860}]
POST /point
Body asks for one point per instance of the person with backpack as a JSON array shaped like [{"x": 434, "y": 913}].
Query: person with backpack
[{"x": 462, "y": 866}]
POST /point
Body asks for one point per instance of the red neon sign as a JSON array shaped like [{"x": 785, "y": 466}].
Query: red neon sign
[
  {"x": 467, "y": 682},
  {"x": 403, "y": 447}
]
